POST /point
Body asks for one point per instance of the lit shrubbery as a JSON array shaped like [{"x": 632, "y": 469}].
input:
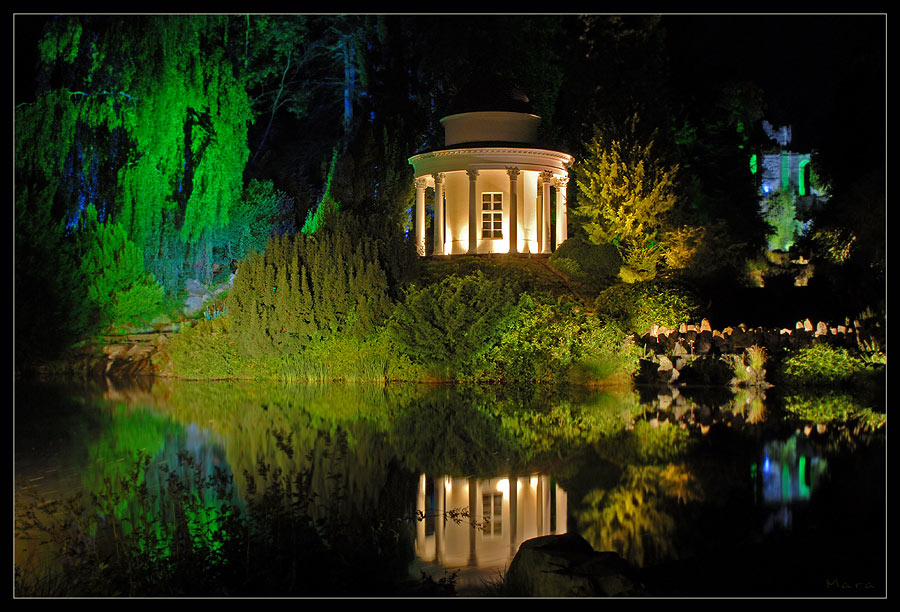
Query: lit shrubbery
[
  {"x": 589, "y": 263},
  {"x": 637, "y": 306},
  {"x": 444, "y": 325},
  {"x": 781, "y": 215},
  {"x": 204, "y": 352},
  {"x": 821, "y": 364},
  {"x": 309, "y": 287},
  {"x": 553, "y": 340}
]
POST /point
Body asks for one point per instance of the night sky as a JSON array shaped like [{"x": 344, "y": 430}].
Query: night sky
[
  {"x": 808, "y": 65},
  {"x": 816, "y": 70}
]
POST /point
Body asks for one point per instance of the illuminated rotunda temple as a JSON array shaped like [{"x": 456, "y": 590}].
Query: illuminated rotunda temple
[{"x": 492, "y": 187}]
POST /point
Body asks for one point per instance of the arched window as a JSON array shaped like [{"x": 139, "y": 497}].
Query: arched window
[{"x": 803, "y": 179}]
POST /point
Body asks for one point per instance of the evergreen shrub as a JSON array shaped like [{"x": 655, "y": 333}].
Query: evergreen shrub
[
  {"x": 592, "y": 264},
  {"x": 820, "y": 364},
  {"x": 205, "y": 352},
  {"x": 446, "y": 324},
  {"x": 119, "y": 288},
  {"x": 639, "y": 305},
  {"x": 304, "y": 288},
  {"x": 551, "y": 340}
]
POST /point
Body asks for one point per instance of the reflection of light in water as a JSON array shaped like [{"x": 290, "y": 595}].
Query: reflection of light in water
[
  {"x": 507, "y": 516},
  {"x": 792, "y": 469}
]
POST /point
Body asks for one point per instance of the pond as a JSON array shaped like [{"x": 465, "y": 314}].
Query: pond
[{"x": 414, "y": 489}]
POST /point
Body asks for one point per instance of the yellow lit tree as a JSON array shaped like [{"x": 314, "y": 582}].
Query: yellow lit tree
[{"x": 625, "y": 194}]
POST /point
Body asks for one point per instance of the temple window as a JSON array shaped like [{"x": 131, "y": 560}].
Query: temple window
[{"x": 492, "y": 215}]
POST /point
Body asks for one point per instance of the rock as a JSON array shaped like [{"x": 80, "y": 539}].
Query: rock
[
  {"x": 703, "y": 343},
  {"x": 666, "y": 371},
  {"x": 193, "y": 305},
  {"x": 663, "y": 401},
  {"x": 567, "y": 566}
]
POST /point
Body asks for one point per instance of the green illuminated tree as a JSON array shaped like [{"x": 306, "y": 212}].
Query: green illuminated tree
[
  {"x": 146, "y": 118},
  {"x": 781, "y": 215},
  {"x": 118, "y": 287},
  {"x": 624, "y": 192}
]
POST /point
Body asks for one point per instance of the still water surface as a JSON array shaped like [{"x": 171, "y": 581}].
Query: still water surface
[{"x": 725, "y": 495}]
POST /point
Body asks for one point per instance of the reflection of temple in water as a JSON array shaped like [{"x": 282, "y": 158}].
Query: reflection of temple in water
[{"x": 513, "y": 509}]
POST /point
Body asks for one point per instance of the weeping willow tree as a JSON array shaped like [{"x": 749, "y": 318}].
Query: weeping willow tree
[
  {"x": 146, "y": 119},
  {"x": 142, "y": 118}
]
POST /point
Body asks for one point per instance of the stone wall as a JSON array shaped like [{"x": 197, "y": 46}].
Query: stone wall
[
  {"x": 703, "y": 340},
  {"x": 708, "y": 356}
]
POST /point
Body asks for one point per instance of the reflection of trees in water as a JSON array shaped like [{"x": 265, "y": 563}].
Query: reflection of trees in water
[
  {"x": 332, "y": 432},
  {"x": 634, "y": 487},
  {"x": 129, "y": 432},
  {"x": 635, "y": 518},
  {"x": 483, "y": 429},
  {"x": 328, "y": 434},
  {"x": 447, "y": 432}
]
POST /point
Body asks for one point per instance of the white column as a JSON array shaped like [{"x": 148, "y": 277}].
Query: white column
[
  {"x": 420, "y": 509},
  {"x": 513, "y": 209},
  {"x": 562, "y": 213},
  {"x": 544, "y": 497},
  {"x": 421, "y": 183},
  {"x": 438, "y": 214},
  {"x": 474, "y": 205},
  {"x": 475, "y": 512},
  {"x": 440, "y": 493},
  {"x": 512, "y": 517},
  {"x": 546, "y": 178}
]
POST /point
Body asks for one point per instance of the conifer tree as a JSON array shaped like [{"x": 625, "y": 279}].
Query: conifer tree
[
  {"x": 624, "y": 193},
  {"x": 625, "y": 198}
]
